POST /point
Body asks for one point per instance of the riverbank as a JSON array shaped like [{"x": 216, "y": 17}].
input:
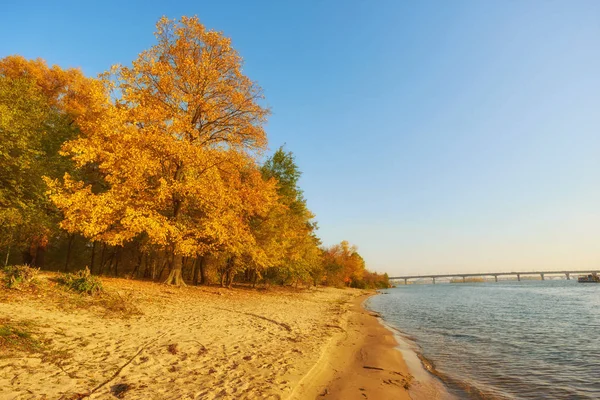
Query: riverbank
[
  {"x": 152, "y": 341},
  {"x": 146, "y": 340},
  {"x": 360, "y": 362}
]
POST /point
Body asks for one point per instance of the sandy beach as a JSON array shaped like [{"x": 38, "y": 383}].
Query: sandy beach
[
  {"x": 162, "y": 342},
  {"x": 361, "y": 363}
]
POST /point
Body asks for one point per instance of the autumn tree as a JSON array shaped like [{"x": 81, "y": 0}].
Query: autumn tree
[
  {"x": 176, "y": 148},
  {"x": 343, "y": 264},
  {"x": 372, "y": 280},
  {"x": 38, "y": 106},
  {"x": 282, "y": 167},
  {"x": 287, "y": 233}
]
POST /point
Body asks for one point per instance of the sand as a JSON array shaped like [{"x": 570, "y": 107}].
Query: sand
[
  {"x": 203, "y": 343},
  {"x": 361, "y": 363}
]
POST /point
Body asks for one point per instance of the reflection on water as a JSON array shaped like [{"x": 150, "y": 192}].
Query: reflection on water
[{"x": 506, "y": 340}]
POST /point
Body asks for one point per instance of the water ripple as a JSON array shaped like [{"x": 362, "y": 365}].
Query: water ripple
[{"x": 521, "y": 340}]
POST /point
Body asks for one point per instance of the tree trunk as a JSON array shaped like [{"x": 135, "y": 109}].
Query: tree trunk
[
  {"x": 69, "y": 248},
  {"x": 254, "y": 279},
  {"x": 137, "y": 265},
  {"x": 118, "y": 257},
  {"x": 33, "y": 253},
  {"x": 153, "y": 273},
  {"x": 197, "y": 263},
  {"x": 40, "y": 256},
  {"x": 185, "y": 271},
  {"x": 203, "y": 277},
  {"x": 107, "y": 264},
  {"x": 230, "y": 275},
  {"x": 101, "y": 268},
  {"x": 146, "y": 269},
  {"x": 26, "y": 257},
  {"x": 175, "y": 277},
  {"x": 222, "y": 273},
  {"x": 7, "y": 256},
  {"x": 93, "y": 256},
  {"x": 162, "y": 269}
]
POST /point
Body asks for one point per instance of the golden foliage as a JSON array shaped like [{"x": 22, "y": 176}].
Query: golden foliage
[
  {"x": 164, "y": 153},
  {"x": 38, "y": 105},
  {"x": 343, "y": 264},
  {"x": 176, "y": 151}
]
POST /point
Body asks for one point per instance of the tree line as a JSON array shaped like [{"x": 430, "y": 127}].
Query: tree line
[{"x": 157, "y": 171}]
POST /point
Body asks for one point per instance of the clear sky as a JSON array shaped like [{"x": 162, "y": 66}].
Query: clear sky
[{"x": 447, "y": 136}]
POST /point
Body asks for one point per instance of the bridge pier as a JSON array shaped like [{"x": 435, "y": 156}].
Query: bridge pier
[
  {"x": 542, "y": 275},
  {"x": 405, "y": 281},
  {"x": 519, "y": 277},
  {"x": 568, "y": 276},
  {"x": 464, "y": 280},
  {"x": 496, "y": 277},
  {"x": 434, "y": 280}
]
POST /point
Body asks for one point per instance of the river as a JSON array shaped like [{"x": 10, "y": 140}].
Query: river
[{"x": 504, "y": 340}]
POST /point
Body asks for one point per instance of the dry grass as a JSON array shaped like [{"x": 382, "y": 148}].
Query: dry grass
[
  {"x": 108, "y": 304},
  {"x": 20, "y": 277},
  {"x": 23, "y": 337},
  {"x": 17, "y": 337},
  {"x": 118, "y": 305}
]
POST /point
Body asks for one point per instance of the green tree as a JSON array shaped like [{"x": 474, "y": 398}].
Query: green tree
[
  {"x": 289, "y": 228},
  {"x": 38, "y": 105}
]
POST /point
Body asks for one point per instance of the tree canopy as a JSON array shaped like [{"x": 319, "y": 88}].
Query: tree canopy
[{"x": 159, "y": 163}]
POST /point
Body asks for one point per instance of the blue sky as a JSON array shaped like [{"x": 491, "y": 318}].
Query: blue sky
[{"x": 437, "y": 136}]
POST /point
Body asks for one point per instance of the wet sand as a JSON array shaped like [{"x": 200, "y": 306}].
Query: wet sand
[{"x": 361, "y": 362}]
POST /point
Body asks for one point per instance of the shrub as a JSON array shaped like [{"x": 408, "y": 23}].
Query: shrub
[
  {"x": 16, "y": 276},
  {"x": 118, "y": 305},
  {"x": 82, "y": 282}
]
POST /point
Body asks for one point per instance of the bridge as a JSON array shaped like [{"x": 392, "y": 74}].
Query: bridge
[{"x": 542, "y": 274}]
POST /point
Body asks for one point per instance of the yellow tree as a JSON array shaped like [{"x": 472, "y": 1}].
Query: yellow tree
[
  {"x": 23, "y": 113},
  {"x": 38, "y": 106},
  {"x": 343, "y": 264},
  {"x": 176, "y": 149},
  {"x": 247, "y": 198}
]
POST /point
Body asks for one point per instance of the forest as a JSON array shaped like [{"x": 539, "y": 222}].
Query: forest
[{"x": 157, "y": 171}]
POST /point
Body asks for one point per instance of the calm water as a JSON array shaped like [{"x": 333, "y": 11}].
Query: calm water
[{"x": 511, "y": 340}]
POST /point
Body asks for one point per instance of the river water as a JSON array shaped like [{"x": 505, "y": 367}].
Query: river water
[{"x": 505, "y": 340}]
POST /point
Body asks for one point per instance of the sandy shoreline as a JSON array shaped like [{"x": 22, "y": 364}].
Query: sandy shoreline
[
  {"x": 425, "y": 385},
  {"x": 370, "y": 360},
  {"x": 202, "y": 343},
  {"x": 361, "y": 363}
]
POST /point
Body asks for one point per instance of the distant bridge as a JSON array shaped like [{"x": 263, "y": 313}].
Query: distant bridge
[{"x": 495, "y": 275}]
